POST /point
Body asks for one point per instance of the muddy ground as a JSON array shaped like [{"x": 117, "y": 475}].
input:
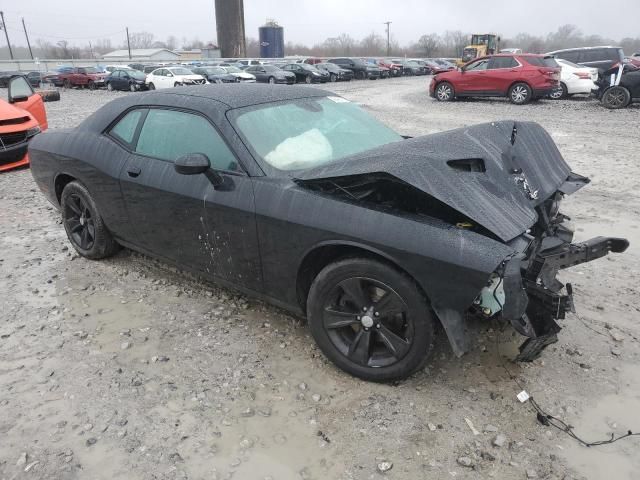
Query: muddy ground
[{"x": 127, "y": 368}]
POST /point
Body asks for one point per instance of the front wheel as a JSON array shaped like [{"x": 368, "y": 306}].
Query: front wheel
[
  {"x": 333, "y": 77},
  {"x": 272, "y": 80},
  {"x": 91, "y": 85},
  {"x": 370, "y": 319},
  {"x": 616, "y": 97},
  {"x": 362, "y": 75},
  {"x": 109, "y": 86},
  {"x": 307, "y": 79},
  {"x": 444, "y": 92},
  {"x": 152, "y": 86},
  {"x": 84, "y": 226},
  {"x": 132, "y": 87},
  {"x": 520, "y": 94}
]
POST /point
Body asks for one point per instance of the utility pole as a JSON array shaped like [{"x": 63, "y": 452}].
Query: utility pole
[
  {"x": 128, "y": 43},
  {"x": 388, "y": 38},
  {"x": 6, "y": 34},
  {"x": 91, "y": 50},
  {"x": 27, "y": 35}
]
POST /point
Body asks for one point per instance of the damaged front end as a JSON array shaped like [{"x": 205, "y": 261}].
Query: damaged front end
[{"x": 525, "y": 290}]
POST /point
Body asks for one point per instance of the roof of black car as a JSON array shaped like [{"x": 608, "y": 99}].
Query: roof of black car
[{"x": 244, "y": 95}]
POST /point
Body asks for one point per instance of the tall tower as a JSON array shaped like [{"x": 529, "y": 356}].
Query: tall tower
[{"x": 230, "y": 28}]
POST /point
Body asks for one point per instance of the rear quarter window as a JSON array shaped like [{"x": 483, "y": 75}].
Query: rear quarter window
[
  {"x": 548, "y": 62},
  {"x": 125, "y": 129}
]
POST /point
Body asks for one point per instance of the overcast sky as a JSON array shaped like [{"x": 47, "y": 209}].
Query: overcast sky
[{"x": 311, "y": 21}]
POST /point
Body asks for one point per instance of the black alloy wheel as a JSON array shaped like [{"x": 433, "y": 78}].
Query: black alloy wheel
[
  {"x": 79, "y": 222},
  {"x": 84, "y": 226},
  {"x": 370, "y": 319},
  {"x": 616, "y": 97}
]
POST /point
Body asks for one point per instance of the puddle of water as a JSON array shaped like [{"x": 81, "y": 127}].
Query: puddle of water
[{"x": 621, "y": 460}]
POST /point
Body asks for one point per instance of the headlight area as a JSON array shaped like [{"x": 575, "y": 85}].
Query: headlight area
[
  {"x": 525, "y": 289},
  {"x": 33, "y": 131}
]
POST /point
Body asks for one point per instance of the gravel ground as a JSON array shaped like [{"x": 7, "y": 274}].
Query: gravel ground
[{"x": 127, "y": 368}]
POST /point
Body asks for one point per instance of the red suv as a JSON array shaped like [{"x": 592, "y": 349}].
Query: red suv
[{"x": 520, "y": 78}]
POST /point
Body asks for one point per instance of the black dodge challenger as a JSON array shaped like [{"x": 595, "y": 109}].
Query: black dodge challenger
[{"x": 301, "y": 198}]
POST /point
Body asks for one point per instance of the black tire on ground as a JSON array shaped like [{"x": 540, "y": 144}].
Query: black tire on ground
[
  {"x": 520, "y": 93},
  {"x": 272, "y": 80},
  {"x": 176, "y": 84},
  {"x": 560, "y": 93},
  {"x": 370, "y": 319},
  {"x": 84, "y": 226},
  {"x": 152, "y": 86},
  {"x": 132, "y": 87},
  {"x": 109, "y": 87},
  {"x": 616, "y": 97},
  {"x": 361, "y": 75},
  {"x": 308, "y": 79},
  {"x": 66, "y": 83},
  {"x": 333, "y": 77},
  {"x": 91, "y": 85},
  {"x": 445, "y": 92}
]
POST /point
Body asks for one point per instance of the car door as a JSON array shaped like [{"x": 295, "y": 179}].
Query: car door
[
  {"x": 500, "y": 74},
  {"x": 204, "y": 221},
  {"x": 21, "y": 94},
  {"x": 474, "y": 77},
  {"x": 114, "y": 80}
]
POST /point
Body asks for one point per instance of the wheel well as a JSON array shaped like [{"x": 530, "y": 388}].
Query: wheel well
[
  {"x": 319, "y": 258},
  {"x": 61, "y": 181},
  {"x": 516, "y": 82}
]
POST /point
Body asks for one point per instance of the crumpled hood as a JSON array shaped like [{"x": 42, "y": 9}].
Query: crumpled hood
[{"x": 502, "y": 198}]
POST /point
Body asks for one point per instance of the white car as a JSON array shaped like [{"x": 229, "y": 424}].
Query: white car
[
  {"x": 169, "y": 77},
  {"x": 575, "y": 79},
  {"x": 241, "y": 75}
]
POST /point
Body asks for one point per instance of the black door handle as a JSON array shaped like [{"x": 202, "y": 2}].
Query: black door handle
[{"x": 133, "y": 171}]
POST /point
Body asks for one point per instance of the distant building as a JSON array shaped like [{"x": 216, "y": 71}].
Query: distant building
[
  {"x": 144, "y": 54},
  {"x": 186, "y": 55},
  {"x": 211, "y": 51}
]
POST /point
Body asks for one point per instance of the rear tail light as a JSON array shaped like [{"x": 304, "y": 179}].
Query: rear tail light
[{"x": 582, "y": 75}]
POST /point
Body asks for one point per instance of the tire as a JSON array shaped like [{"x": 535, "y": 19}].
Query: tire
[
  {"x": 308, "y": 80},
  {"x": 333, "y": 77},
  {"x": 152, "y": 86},
  {"x": 520, "y": 93},
  {"x": 132, "y": 87},
  {"x": 560, "y": 93},
  {"x": 84, "y": 226},
  {"x": 361, "y": 75},
  {"x": 398, "y": 341},
  {"x": 91, "y": 85},
  {"x": 109, "y": 87},
  {"x": 616, "y": 97},
  {"x": 444, "y": 92},
  {"x": 66, "y": 83},
  {"x": 272, "y": 80},
  {"x": 176, "y": 84}
]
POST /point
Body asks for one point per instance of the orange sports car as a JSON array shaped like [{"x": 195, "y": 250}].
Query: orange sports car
[{"x": 22, "y": 117}]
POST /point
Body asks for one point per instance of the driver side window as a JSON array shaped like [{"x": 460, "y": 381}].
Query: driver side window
[
  {"x": 170, "y": 134},
  {"x": 478, "y": 65}
]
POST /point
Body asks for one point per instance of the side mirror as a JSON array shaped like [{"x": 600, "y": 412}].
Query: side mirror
[
  {"x": 169, "y": 74},
  {"x": 192, "y": 164}
]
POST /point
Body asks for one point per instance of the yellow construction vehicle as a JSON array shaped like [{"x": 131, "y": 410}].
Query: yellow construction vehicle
[{"x": 481, "y": 44}]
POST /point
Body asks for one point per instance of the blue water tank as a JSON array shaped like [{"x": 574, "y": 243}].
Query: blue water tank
[{"x": 271, "y": 41}]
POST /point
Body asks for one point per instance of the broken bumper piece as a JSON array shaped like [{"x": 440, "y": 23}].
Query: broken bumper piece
[{"x": 533, "y": 297}]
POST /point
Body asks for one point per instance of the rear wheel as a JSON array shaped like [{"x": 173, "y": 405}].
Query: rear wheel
[
  {"x": 272, "y": 80},
  {"x": 520, "y": 94},
  {"x": 361, "y": 75},
  {"x": 177, "y": 84},
  {"x": 84, "y": 226},
  {"x": 152, "y": 86},
  {"x": 616, "y": 97},
  {"x": 444, "y": 92},
  {"x": 66, "y": 83},
  {"x": 307, "y": 79},
  {"x": 91, "y": 85},
  {"x": 333, "y": 77},
  {"x": 560, "y": 93},
  {"x": 370, "y": 319}
]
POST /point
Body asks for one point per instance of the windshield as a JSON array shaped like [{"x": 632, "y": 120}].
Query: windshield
[
  {"x": 180, "y": 71},
  {"x": 233, "y": 70},
  {"x": 310, "y": 132},
  {"x": 90, "y": 70},
  {"x": 328, "y": 66},
  {"x": 135, "y": 74},
  {"x": 270, "y": 68}
]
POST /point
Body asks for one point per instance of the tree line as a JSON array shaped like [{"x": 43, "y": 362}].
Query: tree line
[{"x": 448, "y": 44}]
